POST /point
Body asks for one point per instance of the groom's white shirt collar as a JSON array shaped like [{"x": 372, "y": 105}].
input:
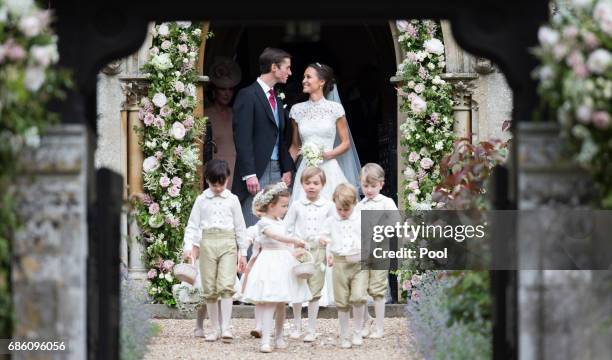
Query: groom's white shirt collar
[{"x": 264, "y": 86}]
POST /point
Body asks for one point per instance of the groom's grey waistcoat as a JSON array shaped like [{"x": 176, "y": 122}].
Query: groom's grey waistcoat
[{"x": 255, "y": 134}]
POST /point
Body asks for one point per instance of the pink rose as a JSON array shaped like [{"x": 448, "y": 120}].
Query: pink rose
[
  {"x": 159, "y": 122},
  {"x": 152, "y": 274},
  {"x": 165, "y": 45},
  {"x": 183, "y": 48},
  {"x": 413, "y": 185},
  {"x": 146, "y": 199},
  {"x": 422, "y": 72},
  {"x": 164, "y": 181},
  {"x": 421, "y": 174},
  {"x": 14, "y": 51},
  {"x": 179, "y": 86},
  {"x": 148, "y": 119},
  {"x": 189, "y": 122},
  {"x": 159, "y": 100},
  {"x": 407, "y": 285},
  {"x": 601, "y": 119},
  {"x": 176, "y": 181},
  {"x": 426, "y": 163},
  {"x": 435, "y": 117},
  {"x": 168, "y": 265},
  {"x": 413, "y": 157},
  {"x": 153, "y": 208},
  {"x": 174, "y": 191},
  {"x": 154, "y": 51},
  {"x": 590, "y": 40}
]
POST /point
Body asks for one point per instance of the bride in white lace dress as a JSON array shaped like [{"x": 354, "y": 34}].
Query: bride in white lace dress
[{"x": 322, "y": 123}]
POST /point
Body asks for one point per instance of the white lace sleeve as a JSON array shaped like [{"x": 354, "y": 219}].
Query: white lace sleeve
[
  {"x": 337, "y": 110},
  {"x": 294, "y": 113}
]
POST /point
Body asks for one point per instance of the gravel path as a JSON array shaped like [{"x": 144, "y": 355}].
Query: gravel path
[{"x": 176, "y": 341}]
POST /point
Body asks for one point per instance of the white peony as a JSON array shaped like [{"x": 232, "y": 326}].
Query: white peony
[
  {"x": 159, "y": 99},
  {"x": 417, "y": 104},
  {"x": 45, "y": 55},
  {"x": 409, "y": 173},
  {"x": 150, "y": 164},
  {"x": 161, "y": 61},
  {"x": 434, "y": 46},
  {"x": 179, "y": 86},
  {"x": 599, "y": 61},
  {"x": 178, "y": 130},
  {"x": 163, "y": 30},
  {"x": 31, "y": 25},
  {"x": 34, "y": 78},
  {"x": 547, "y": 36}
]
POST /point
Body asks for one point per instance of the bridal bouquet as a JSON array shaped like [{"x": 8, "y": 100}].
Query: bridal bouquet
[
  {"x": 576, "y": 81},
  {"x": 312, "y": 154}
]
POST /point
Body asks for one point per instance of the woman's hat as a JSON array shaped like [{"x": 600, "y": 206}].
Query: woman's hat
[{"x": 225, "y": 72}]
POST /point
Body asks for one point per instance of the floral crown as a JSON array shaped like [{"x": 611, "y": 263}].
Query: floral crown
[{"x": 264, "y": 197}]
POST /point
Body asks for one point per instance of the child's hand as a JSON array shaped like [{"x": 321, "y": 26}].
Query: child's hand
[
  {"x": 187, "y": 255},
  {"x": 330, "y": 260},
  {"x": 299, "y": 242},
  {"x": 323, "y": 241},
  {"x": 242, "y": 264},
  {"x": 195, "y": 252},
  {"x": 299, "y": 252}
]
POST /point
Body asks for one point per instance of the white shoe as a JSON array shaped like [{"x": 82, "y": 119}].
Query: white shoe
[
  {"x": 310, "y": 336},
  {"x": 357, "y": 340},
  {"x": 266, "y": 348},
  {"x": 199, "y": 333},
  {"x": 295, "y": 334},
  {"x": 376, "y": 335},
  {"x": 227, "y": 336},
  {"x": 366, "y": 327},
  {"x": 280, "y": 343},
  {"x": 213, "y": 336},
  {"x": 345, "y": 344}
]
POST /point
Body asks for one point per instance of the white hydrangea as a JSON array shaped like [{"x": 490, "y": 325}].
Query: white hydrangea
[
  {"x": 162, "y": 61},
  {"x": 434, "y": 46}
]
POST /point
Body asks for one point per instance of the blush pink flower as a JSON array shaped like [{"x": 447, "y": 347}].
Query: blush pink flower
[
  {"x": 159, "y": 155},
  {"x": 413, "y": 157},
  {"x": 164, "y": 181},
  {"x": 176, "y": 181},
  {"x": 165, "y": 45},
  {"x": 174, "y": 191},
  {"x": 148, "y": 119},
  {"x": 154, "y": 208},
  {"x": 178, "y": 151},
  {"x": 168, "y": 265},
  {"x": 426, "y": 163},
  {"x": 159, "y": 122},
  {"x": 152, "y": 274},
  {"x": 183, "y": 48},
  {"x": 165, "y": 111},
  {"x": 189, "y": 122},
  {"x": 601, "y": 119},
  {"x": 413, "y": 185}
]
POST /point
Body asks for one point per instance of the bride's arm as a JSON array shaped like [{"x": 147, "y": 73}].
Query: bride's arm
[
  {"x": 294, "y": 149},
  {"x": 345, "y": 142}
]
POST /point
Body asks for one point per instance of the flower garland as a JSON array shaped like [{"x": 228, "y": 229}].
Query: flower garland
[
  {"x": 576, "y": 82},
  {"x": 427, "y": 135},
  {"x": 168, "y": 141},
  {"x": 28, "y": 50}
]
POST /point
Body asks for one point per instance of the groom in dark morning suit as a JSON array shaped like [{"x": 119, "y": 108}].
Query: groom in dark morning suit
[{"x": 259, "y": 122}]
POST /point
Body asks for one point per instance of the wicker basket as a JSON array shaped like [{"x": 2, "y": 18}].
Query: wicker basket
[
  {"x": 186, "y": 272},
  {"x": 306, "y": 269}
]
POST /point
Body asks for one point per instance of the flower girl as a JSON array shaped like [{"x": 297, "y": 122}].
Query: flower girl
[
  {"x": 303, "y": 220},
  {"x": 271, "y": 283}
]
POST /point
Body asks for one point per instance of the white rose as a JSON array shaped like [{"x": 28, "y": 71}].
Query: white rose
[
  {"x": 30, "y": 25},
  {"x": 165, "y": 45},
  {"x": 434, "y": 46},
  {"x": 168, "y": 277},
  {"x": 431, "y": 66},
  {"x": 163, "y": 30},
  {"x": 150, "y": 164},
  {"x": 178, "y": 130},
  {"x": 419, "y": 88},
  {"x": 547, "y": 36},
  {"x": 599, "y": 61},
  {"x": 159, "y": 99},
  {"x": 179, "y": 86},
  {"x": 183, "y": 24},
  {"x": 409, "y": 173},
  {"x": 162, "y": 61},
  {"x": 19, "y": 8},
  {"x": 34, "y": 78},
  {"x": 417, "y": 104},
  {"x": 197, "y": 32},
  {"x": 439, "y": 145},
  {"x": 45, "y": 55}
]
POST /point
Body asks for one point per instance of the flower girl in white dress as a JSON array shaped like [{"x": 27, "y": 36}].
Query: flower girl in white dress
[{"x": 271, "y": 283}]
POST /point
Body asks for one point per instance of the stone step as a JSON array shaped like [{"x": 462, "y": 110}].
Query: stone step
[{"x": 160, "y": 311}]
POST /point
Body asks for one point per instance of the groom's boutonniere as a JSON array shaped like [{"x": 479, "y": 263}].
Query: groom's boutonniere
[{"x": 281, "y": 95}]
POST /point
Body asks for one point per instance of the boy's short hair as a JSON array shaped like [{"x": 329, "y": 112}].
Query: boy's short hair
[
  {"x": 217, "y": 171},
  {"x": 271, "y": 56},
  {"x": 345, "y": 195},
  {"x": 313, "y": 171},
  {"x": 372, "y": 172}
]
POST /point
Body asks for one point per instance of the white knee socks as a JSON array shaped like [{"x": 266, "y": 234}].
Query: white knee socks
[
  {"x": 226, "y": 313},
  {"x": 297, "y": 316},
  {"x": 201, "y": 315},
  {"x": 313, "y": 313},
  {"x": 379, "y": 309},
  {"x": 343, "y": 318},
  {"x": 213, "y": 314},
  {"x": 358, "y": 314},
  {"x": 267, "y": 317},
  {"x": 280, "y": 321}
]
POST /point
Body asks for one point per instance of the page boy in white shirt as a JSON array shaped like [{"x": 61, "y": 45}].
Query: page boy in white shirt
[{"x": 215, "y": 226}]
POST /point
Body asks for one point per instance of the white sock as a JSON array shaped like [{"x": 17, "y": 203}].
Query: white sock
[
  {"x": 313, "y": 314},
  {"x": 280, "y": 320},
  {"x": 343, "y": 318},
  {"x": 379, "y": 308},
  {"x": 200, "y": 316},
  {"x": 213, "y": 314},
  {"x": 358, "y": 318},
  {"x": 267, "y": 317},
  {"x": 258, "y": 319},
  {"x": 297, "y": 316},
  {"x": 226, "y": 313}
]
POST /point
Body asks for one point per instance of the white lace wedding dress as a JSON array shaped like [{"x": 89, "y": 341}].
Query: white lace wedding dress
[{"x": 316, "y": 122}]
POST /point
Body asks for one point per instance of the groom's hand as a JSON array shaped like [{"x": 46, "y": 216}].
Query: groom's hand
[
  {"x": 252, "y": 185},
  {"x": 287, "y": 178}
]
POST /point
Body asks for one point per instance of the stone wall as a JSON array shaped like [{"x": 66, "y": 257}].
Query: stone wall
[{"x": 50, "y": 251}]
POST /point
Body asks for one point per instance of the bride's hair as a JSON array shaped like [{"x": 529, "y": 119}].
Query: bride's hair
[{"x": 325, "y": 73}]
